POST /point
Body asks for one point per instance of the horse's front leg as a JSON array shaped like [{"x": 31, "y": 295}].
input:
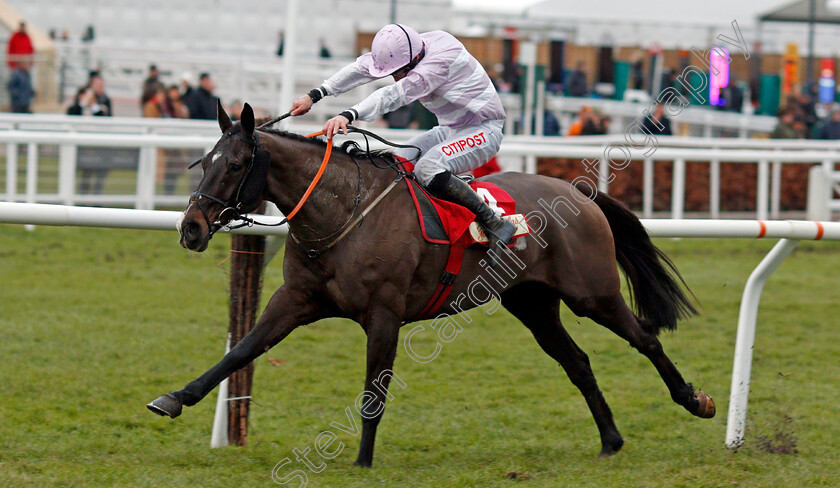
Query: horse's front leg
[
  {"x": 382, "y": 329},
  {"x": 287, "y": 309}
]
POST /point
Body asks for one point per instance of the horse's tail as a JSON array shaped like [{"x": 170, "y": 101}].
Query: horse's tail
[{"x": 658, "y": 292}]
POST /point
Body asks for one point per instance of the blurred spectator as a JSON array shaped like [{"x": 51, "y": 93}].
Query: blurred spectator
[
  {"x": 150, "y": 84},
  {"x": 803, "y": 108},
  {"x": 785, "y": 129},
  {"x": 551, "y": 126},
  {"x": 82, "y": 103},
  {"x": 202, "y": 103},
  {"x": 583, "y": 117},
  {"x": 578, "y": 85},
  {"x": 93, "y": 162},
  {"x": 187, "y": 90},
  {"x": 605, "y": 124},
  {"x": 235, "y": 110},
  {"x": 661, "y": 126},
  {"x": 102, "y": 103},
  {"x": 638, "y": 72},
  {"x": 592, "y": 124},
  {"x": 323, "y": 51},
  {"x": 155, "y": 102},
  {"x": 155, "y": 107},
  {"x": 280, "y": 43},
  {"x": 831, "y": 127},
  {"x": 89, "y": 34},
  {"x": 733, "y": 95},
  {"x": 20, "y": 89},
  {"x": 173, "y": 161},
  {"x": 20, "y": 47},
  {"x": 174, "y": 106}
]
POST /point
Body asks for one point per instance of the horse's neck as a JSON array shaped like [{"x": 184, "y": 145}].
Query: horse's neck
[{"x": 333, "y": 201}]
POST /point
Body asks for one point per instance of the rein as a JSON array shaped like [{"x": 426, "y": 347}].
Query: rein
[{"x": 232, "y": 212}]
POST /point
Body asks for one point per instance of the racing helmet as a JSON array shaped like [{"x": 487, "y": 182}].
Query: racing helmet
[{"x": 393, "y": 47}]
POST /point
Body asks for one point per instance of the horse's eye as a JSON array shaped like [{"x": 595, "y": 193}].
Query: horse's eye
[{"x": 235, "y": 168}]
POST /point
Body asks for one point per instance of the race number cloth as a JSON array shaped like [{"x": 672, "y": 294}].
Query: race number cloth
[{"x": 445, "y": 222}]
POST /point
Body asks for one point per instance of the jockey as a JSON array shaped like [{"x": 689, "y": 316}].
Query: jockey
[{"x": 436, "y": 69}]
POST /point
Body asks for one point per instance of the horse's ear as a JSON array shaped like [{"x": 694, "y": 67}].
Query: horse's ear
[
  {"x": 247, "y": 119},
  {"x": 224, "y": 121}
]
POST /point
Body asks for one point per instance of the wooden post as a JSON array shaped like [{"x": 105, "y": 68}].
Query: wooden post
[{"x": 245, "y": 284}]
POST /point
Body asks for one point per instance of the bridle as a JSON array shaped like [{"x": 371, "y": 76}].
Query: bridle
[{"x": 233, "y": 207}]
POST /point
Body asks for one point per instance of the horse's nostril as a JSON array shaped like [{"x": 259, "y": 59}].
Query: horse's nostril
[{"x": 190, "y": 230}]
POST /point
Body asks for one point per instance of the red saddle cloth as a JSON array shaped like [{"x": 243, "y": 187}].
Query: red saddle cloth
[{"x": 445, "y": 222}]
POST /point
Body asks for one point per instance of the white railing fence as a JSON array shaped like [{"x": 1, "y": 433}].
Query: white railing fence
[{"x": 142, "y": 162}]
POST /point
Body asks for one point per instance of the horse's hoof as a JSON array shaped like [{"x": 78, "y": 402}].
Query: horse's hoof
[
  {"x": 705, "y": 407},
  {"x": 362, "y": 464},
  {"x": 611, "y": 447},
  {"x": 166, "y": 405}
]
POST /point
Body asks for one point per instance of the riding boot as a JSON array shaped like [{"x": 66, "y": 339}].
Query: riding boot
[{"x": 499, "y": 231}]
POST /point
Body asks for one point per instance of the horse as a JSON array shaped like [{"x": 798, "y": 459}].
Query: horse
[{"x": 382, "y": 272}]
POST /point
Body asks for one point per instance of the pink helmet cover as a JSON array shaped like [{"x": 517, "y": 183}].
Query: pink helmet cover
[{"x": 393, "y": 47}]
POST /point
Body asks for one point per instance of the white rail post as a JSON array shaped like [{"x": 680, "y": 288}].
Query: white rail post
[
  {"x": 742, "y": 364},
  {"x": 603, "y": 175},
  {"x": 647, "y": 188},
  {"x": 714, "y": 188},
  {"x": 219, "y": 435},
  {"x": 761, "y": 193},
  {"x": 11, "y": 171},
  {"x": 539, "y": 123},
  {"x": 67, "y": 173},
  {"x": 531, "y": 164},
  {"x": 819, "y": 194},
  {"x": 678, "y": 189},
  {"x": 776, "y": 190},
  {"x": 146, "y": 178},
  {"x": 528, "y": 56},
  {"x": 31, "y": 176}
]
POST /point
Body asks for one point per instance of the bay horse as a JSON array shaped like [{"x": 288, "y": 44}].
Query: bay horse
[{"x": 383, "y": 272}]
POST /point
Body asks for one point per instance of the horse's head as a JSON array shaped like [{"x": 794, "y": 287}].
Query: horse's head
[{"x": 234, "y": 178}]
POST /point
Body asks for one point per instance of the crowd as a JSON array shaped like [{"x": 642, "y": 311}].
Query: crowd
[{"x": 798, "y": 119}]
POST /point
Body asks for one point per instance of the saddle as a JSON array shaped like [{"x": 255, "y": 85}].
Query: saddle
[{"x": 443, "y": 222}]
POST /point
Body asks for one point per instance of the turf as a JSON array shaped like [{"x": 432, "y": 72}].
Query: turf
[{"x": 96, "y": 323}]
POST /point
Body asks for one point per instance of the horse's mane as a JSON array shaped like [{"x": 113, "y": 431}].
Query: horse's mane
[{"x": 351, "y": 148}]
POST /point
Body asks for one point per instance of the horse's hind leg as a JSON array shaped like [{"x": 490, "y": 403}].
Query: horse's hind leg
[
  {"x": 539, "y": 310},
  {"x": 613, "y": 313}
]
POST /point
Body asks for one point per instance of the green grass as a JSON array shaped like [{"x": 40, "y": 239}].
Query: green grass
[{"x": 96, "y": 323}]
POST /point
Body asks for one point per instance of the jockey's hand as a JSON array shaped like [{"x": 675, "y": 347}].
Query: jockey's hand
[
  {"x": 301, "y": 105},
  {"x": 335, "y": 125}
]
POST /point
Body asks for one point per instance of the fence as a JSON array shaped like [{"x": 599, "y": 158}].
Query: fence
[
  {"x": 789, "y": 233},
  {"x": 151, "y": 178}
]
